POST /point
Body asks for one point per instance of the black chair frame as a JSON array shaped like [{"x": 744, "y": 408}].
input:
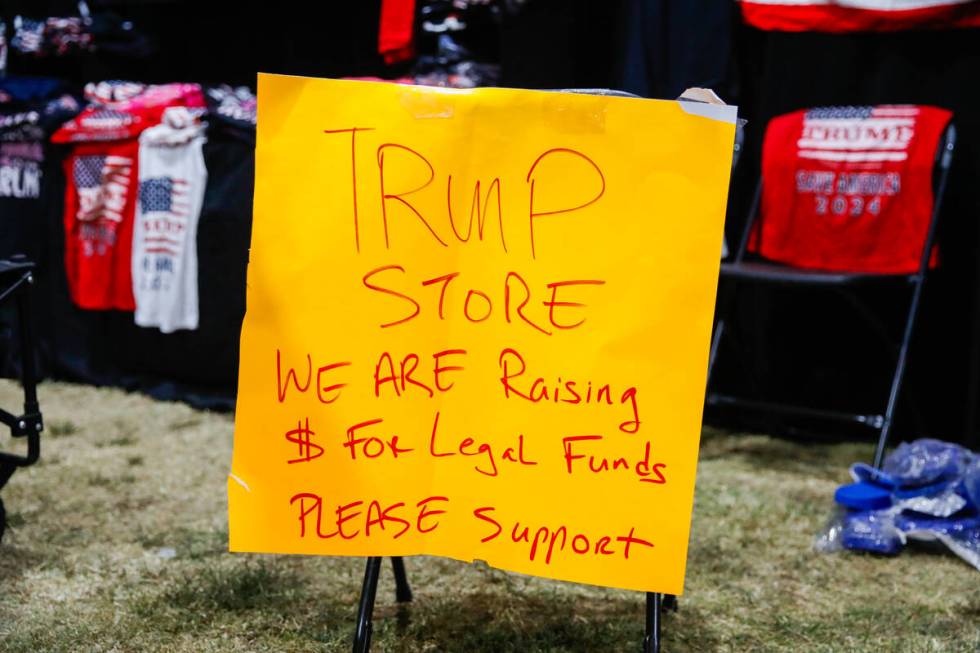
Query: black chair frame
[
  {"x": 741, "y": 271},
  {"x": 16, "y": 279}
]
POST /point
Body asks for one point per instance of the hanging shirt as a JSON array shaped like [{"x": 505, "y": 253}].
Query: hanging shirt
[
  {"x": 24, "y": 127},
  {"x": 849, "y": 189},
  {"x": 172, "y": 177},
  {"x": 102, "y": 178},
  {"x": 33, "y": 121},
  {"x": 30, "y": 109},
  {"x": 52, "y": 36},
  {"x": 231, "y": 112},
  {"x": 859, "y": 15},
  {"x": 396, "y": 42},
  {"x": 100, "y": 197},
  {"x": 120, "y": 110}
]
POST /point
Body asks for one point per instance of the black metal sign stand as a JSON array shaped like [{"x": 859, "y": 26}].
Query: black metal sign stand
[
  {"x": 365, "y": 609},
  {"x": 655, "y": 604}
]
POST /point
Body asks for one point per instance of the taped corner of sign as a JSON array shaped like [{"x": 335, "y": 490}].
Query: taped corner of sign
[
  {"x": 586, "y": 116},
  {"x": 720, "y": 112},
  {"x": 238, "y": 480},
  {"x": 426, "y": 102}
]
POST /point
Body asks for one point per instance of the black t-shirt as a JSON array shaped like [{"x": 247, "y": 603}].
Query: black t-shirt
[
  {"x": 231, "y": 112},
  {"x": 30, "y": 109}
]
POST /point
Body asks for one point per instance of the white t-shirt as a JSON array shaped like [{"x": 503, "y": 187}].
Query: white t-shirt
[{"x": 172, "y": 177}]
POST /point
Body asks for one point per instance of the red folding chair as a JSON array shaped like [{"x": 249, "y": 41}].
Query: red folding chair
[{"x": 848, "y": 196}]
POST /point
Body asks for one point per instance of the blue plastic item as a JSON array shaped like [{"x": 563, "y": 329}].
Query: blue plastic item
[
  {"x": 907, "y": 522},
  {"x": 864, "y": 472},
  {"x": 917, "y": 470},
  {"x": 927, "y": 490},
  {"x": 863, "y": 496},
  {"x": 925, "y": 462},
  {"x": 871, "y": 531},
  {"x": 924, "y": 490},
  {"x": 971, "y": 482}
]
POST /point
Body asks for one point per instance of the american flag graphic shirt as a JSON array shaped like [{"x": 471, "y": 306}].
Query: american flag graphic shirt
[
  {"x": 171, "y": 190},
  {"x": 100, "y": 204},
  {"x": 849, "y": 188}
]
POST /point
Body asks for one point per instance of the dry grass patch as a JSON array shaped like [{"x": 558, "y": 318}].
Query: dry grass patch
[{"x": 117, "y": 541}]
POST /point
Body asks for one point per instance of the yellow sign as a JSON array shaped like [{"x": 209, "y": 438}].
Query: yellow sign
[{"x": 478, "y": 327}]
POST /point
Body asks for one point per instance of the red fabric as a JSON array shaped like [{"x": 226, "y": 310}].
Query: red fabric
[
  {"x": 123, "y": 119},
  {"x": 849, "y": 189},
  {"x": 395, "y": 39},
  {"x": 100, "y": 204},
  {"x": 819, "y": 16}
]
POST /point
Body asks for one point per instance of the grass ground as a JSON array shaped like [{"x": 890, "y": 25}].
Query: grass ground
[{"x": 118, "y": 542}]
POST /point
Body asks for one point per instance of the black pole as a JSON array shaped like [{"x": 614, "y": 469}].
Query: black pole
[
  {"x": 362, "y": 636},
  {"x": 6, "y": 471},
  {"x": 403, "y": 592},
  {"x": 651, "y": 643},
  {"x": 28, "y": 373},
  {"x": 944, "y": 155}
]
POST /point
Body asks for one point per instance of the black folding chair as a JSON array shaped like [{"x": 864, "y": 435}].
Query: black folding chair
[
  {"x": 739, "y": 271},
  {"x": 16, "y": 277}
]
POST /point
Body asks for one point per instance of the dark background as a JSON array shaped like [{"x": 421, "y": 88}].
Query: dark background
[{"x": 802, "y": 347}]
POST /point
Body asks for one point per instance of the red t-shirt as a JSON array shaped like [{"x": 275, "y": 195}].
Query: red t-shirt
[
  {"x": 849, "y": 189},
  {"x": 395, "y": 38},
  {"x": 100, "y": 198}
]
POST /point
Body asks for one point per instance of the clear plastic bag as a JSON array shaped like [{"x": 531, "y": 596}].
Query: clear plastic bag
[
  {"x": 926, "y": 461},
  {"x": 873, "y": 531},
  {"x": 971, "y": 482},
  {"x": 935, "y": 496}
]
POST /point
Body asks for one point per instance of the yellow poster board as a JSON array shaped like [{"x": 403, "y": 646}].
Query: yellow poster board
[{"x": 477, "y": 327}]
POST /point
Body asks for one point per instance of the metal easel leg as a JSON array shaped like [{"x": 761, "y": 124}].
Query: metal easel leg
[
  {"x": 403, "y": 592},
  {"x": 651, "y": 643},
  {"x": 365, "y": 610}
]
